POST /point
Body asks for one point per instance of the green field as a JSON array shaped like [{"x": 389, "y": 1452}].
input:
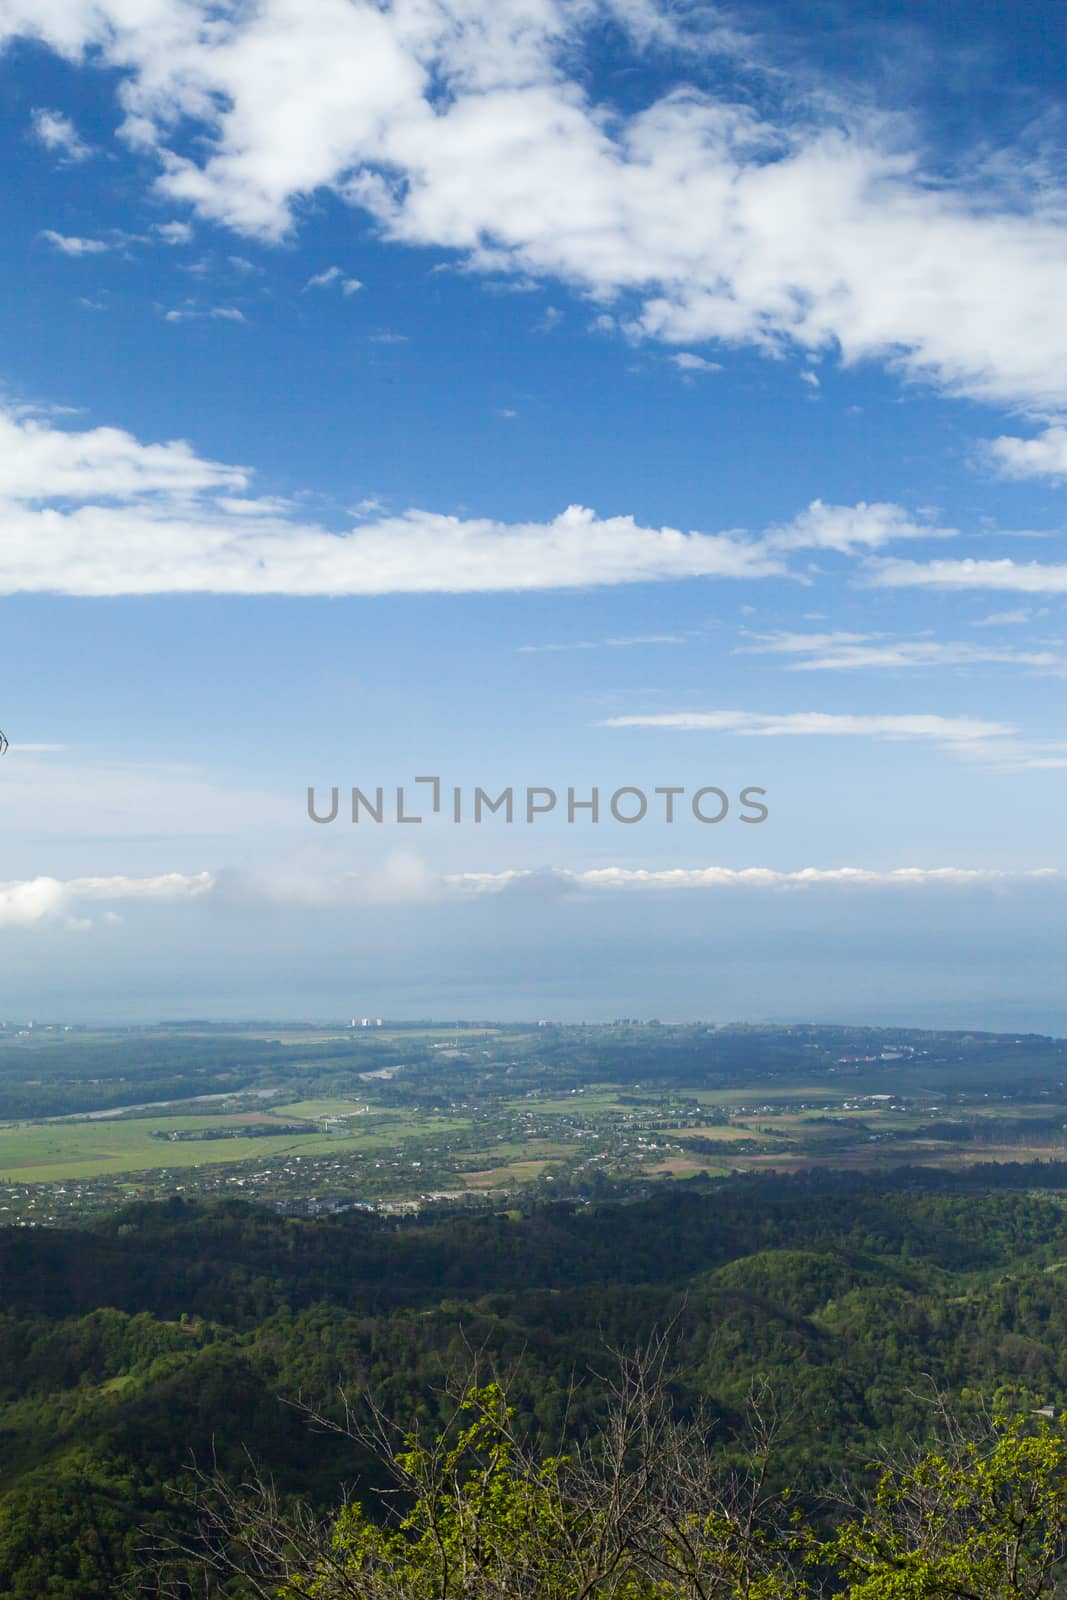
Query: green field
[
  {"x": 68, "y": 1150},
  {"x": 395, "y": 1115}
]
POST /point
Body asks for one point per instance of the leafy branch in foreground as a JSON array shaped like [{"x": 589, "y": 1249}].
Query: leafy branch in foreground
[
  {"x": 650, "y": 1510},
  {"x": 973, "y": 1519}
]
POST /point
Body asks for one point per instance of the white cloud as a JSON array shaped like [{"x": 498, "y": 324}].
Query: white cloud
[
  {"x": 156, "y": 519},
  {"x": 39, "y": 462},
  {"x": 848, "y": 528},
  {"x": 367, "y": 507},
  {"x": 58, "y": 134},
  {"x": 1042, "y": 457},
  {"x": 951, "y": 731},
  {"x": 844, "y": 652},
  {"x": 174, "y": 232},
  {"x": 996, "y": 745},
  {"x": 1021, "y": 577},
  {"x": 1002, "y": 619},
  {"x": 34, "y": 900},
  {"x": 164, "y": 886},
  {"x": 193, "y": 314},
  {"x": 71, "y": 245},
  {"x": 331, "y": 275},
  {"x": 607, "y": 879},
  {"x": 322, "y": 279},
  {"x": 72, "y": 904},
  {"x": 467, "y": 126},
  {"x": 686, "y": 361},
  {"x": 622, "y": 643},
  {"x": 1017, "y": 755},
  {"x": 95, "y": 550}
]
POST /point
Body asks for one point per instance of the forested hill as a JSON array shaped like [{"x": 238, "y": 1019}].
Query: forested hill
[
  {"x": 167, "y": 1329},
  {"x": 236, "y": 1263}
]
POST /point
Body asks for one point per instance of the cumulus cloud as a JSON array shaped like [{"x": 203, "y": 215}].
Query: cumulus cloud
[
  {"x": 99, "y": 551},
  {"x": 58, "y": 134},
  {"x": 40, "y": 462},
  {"x": 1042, "y": 457},
  {"x": 156, "y": 518},
  {"x": 98, "y": 512},
  {"x": 471, "y": 127},
  {"x": 55, "y": 900}
]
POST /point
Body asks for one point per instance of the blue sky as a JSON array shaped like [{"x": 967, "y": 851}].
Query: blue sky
[{"x": 321, "y": 321}]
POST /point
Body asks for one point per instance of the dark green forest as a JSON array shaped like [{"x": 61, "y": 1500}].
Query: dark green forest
[{"x": 178, "y": 1334}]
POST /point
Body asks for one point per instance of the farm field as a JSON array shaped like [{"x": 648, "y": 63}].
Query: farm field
[
  {"x": 320, "y": 1119},
  {"x": 46, "y": 1152}
]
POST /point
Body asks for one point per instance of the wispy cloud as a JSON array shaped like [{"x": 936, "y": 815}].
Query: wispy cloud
[
  {"x": 622, "y": 643},
  {"x": 953, "y": 733},
  {"x": 851, "y": 652},
  {"x": 1002, "y": 619},
  {"x": 71, "y": 245},
  {"x": 58, "y": 134},
  {"x": 761, "y": 879},
  {"x": 849, "y": 528},
  {"x": 687, "y": 362},
  {"x": 334, "y": 275},
  {"x": 995, "y": 745},
  {"x": 174, "y": 232},
  {"x": 195, "y": 314},
  {"x": 1004, "y": 573}
]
